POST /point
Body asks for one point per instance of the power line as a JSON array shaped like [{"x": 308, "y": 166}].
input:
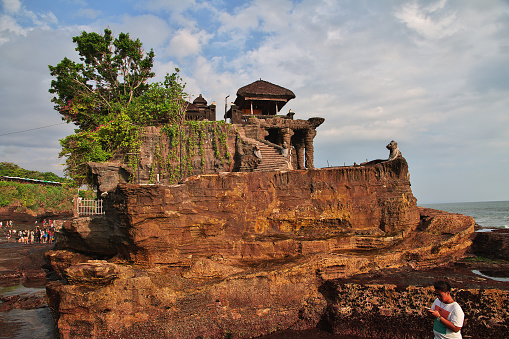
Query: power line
[{"x": 33, "y": 129}]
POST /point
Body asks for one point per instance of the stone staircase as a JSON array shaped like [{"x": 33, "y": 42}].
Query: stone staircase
[{"x": 272, "y": 159}]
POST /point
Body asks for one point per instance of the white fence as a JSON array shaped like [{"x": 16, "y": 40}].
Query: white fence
[{"x": 89, "y": 207}]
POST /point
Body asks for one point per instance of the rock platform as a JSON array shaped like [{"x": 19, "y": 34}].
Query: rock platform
[{"x": 242, "y": 255}]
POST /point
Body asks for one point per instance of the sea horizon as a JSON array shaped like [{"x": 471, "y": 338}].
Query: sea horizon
[
  {"x": 487, "y": 214},
  {"x": 457, "y": 202}
]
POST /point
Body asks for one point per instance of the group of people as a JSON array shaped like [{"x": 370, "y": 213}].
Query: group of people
[
  {"x": 43, "y": 235},
  {"x": 8, "y": 223}
]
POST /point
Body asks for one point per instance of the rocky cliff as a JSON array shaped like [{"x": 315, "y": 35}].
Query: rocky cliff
[{"x": 241, "y": 254}]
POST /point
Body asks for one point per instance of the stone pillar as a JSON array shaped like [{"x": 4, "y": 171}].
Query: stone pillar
[
  {"x": 308, "y": 140},
  {"x": 76, "y": 203},
  {"x": 299, "y": 152},
  {"x": 287, "y": 134}
]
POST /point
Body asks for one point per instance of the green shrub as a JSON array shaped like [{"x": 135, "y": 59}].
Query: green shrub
[{"x": 38, "y": 197}]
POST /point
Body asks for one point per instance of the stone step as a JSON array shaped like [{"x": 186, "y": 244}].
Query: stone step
[{"x": 272, "y": 159}]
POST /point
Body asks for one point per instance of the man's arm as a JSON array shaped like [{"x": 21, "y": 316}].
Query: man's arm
[{"x": 444, "y": 321}]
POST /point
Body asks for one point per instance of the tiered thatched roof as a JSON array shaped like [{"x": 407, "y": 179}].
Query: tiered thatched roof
[{"x": 263, "y": 90}]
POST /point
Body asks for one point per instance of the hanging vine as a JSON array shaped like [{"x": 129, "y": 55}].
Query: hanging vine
[{"x": 188, "y": 142}]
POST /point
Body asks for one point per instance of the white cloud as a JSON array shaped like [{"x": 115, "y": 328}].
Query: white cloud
[
  {"x": 11, "y": 6},
  {"x": 167, "y": 5},
  {"x": 186, "y": 43},
  {"x": 431, "y": 22},
  {"x": 19, "y": 20},
  {"x": 8, "y": 28}
]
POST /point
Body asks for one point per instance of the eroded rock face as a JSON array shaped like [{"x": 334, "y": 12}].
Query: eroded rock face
[
  {"x": 494, "y": 244},
  {"x": 252, "y": 216},
  {"x": 241, "y": 253},
  {"x": 110, "y": 174}
]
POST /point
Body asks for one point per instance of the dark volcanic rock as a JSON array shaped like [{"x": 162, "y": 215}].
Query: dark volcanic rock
[
  {"x": 24, "y": 301},
  {"x": 22, "y": 215},
  {"x": 23, "y": 264},
  {"x": 494, "y": 244},
  {"x": 61, "y": 260},
  {"x": 252, "y": 216},
  {"x": 389, "y": 311}
]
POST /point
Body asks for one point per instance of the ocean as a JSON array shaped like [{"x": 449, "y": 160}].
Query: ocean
[{"x": 487, "y": 214}]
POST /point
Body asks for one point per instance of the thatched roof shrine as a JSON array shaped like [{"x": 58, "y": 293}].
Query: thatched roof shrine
[
  {"x": 262, "y": 97},
  {"x": 264, "y": 90}
]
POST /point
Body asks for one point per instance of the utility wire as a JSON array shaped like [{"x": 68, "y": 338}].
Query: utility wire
[{"x": 32, "y": 129}]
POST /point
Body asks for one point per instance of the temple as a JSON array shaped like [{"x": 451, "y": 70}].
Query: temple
[
  {"x": 257, "y": 109},
  {"x": 198, "y": 110},
  {"x": 258, "y": 138},
  {"x": 261, "y": 98}
]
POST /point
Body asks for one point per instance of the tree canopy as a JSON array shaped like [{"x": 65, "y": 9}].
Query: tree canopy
[
  {"x": 107, "y": 95},
  {"x": 112, "y": 73}
]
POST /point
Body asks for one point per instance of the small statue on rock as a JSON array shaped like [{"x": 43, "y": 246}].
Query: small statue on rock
[
  {"x": 394, "y": 150},
  {"x": 257, "y": 152},
  {"x": 394, "y": 154},
  {"x": 284, "y": 151}
]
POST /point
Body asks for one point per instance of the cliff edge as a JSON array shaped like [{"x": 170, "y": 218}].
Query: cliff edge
[{"x": 241, "y": 254}]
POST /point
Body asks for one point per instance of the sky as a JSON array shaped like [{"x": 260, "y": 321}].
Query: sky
[{"x": 431, "y": 75}]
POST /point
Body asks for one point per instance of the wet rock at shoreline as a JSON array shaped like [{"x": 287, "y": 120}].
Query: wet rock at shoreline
[
  {"x": 493, "y": 244},
  {"x": 24, "y": 301}
]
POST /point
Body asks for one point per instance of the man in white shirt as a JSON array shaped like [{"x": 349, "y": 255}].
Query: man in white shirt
[{"x": 448, "y": 314}]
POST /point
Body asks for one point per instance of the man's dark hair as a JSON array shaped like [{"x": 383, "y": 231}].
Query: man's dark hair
[{"x": 442, "y": 286}]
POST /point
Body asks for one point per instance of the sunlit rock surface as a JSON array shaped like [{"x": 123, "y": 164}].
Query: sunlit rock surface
[{"x": 242, "y": 254}]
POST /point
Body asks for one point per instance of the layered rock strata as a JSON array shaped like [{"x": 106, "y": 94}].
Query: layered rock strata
[{"x": 241, "y": 254}]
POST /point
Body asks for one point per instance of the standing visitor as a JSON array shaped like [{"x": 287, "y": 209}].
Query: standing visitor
[
  {"x": 37, "y": 234},
  {"x": 448, "y": 314}
]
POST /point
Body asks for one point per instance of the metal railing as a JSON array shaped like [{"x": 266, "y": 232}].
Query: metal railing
[{"x": 90, "y": 207}]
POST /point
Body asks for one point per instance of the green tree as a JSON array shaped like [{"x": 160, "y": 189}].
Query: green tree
[
  {"x": 163, "y": 102},
  {"x": 112, "y": 73},
  {"x": 110, "y": 100}
]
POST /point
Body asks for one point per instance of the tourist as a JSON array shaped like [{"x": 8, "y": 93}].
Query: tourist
[{"x": 448, "y": 314}]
